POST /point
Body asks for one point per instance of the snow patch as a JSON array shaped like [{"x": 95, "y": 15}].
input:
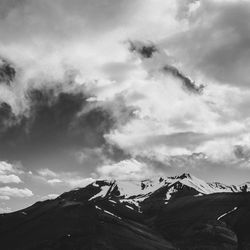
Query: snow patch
[
  {"x": 129, "y": 207},
  {"x": 229, "y": 212},
  {"x": 102, "y": 193},
  {"x": 107, "y": 212},
  {"x": 200, "y": 194}
]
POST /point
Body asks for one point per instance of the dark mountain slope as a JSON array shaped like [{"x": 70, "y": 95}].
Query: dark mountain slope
[
  {"x": 76, "y": 223},
  {"x": 214, "y": 221}
]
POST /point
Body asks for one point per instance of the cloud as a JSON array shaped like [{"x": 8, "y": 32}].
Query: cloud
[
  {"x": 15, "y": 192},
  {"x": 61, "y": 69},
  {"x": 185, "y": 7},
  {"x": 7, "y": 72},
  {"x": 75, "y": 181},
  {"x": 147, "y": 51},
  {"x": 187, "y": 82},
  {"x": 169, "y": 121},
  {"x": 242, "y": 152},
  {"x": 50, "y": 197},
  {"x": 144, "y": 50},
  {"x": 6, "y": 167},
  {"x": 54, "y": 181},
  {"x": 87, "y": 15},
  {"x": 8, "y": 173},
  {"x": 55, "y": 123},
  {"x": 4, "y": 197},
  {"x": 5, "y": 210},
  {"x": 63, "y": 35},
  {"x": 126, "y": 170},
  {"x": 70, "y": 179},
  {"x": 215, "y": 42},
  {"x": 232, "y": 150},
  {"x": 9, "y": 179},
  {"x": 46, "y": 172}
]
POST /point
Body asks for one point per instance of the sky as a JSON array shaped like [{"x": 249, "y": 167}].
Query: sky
[{"x": 121, "y": 89}]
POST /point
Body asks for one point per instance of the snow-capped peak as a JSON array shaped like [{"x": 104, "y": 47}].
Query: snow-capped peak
[{"x": 135, "y": 192}]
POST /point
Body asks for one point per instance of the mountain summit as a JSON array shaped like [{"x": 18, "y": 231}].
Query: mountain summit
[{"x": 135, "y": 191}]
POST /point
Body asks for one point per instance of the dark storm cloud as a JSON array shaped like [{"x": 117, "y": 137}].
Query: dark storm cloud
[
  {"x": 55, "y": 122},
  {"x": 144, "y": 50},
  {"x": 7, "y": 72},
  {"x": 242, "y": 152},
  {"x": 187, "y": 82}
]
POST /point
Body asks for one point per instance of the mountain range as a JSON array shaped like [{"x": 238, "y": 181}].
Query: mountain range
[{"x": 180, "y": 212}]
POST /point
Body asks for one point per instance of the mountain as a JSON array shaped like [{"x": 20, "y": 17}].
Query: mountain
[{"x": 180, "y": 212}]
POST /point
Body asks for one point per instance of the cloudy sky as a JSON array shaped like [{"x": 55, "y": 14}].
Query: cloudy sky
[{"x": 124, "y": 89}]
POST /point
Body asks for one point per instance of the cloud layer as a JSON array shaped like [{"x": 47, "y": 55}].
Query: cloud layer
[{"x": 69, "y": 92}]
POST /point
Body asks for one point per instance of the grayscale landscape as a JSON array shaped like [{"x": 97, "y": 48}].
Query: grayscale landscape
[{"x": 124, "y": 124}]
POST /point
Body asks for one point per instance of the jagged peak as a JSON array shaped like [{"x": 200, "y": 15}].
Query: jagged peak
[
  {"x": 186, "y": 175},
  {"x": 182, "y": 176},
  {"x": 144, "y": 188}
]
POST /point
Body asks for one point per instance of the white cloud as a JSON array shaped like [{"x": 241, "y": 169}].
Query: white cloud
[
  {"x": 6, "y": 167},
  {"x": 5, "y": 210},
  {"x": 15, "y": 192},
  {"x": 4, "y": 197},
  {"x": 126, "y": 170},
  {"x": 75, "y": 182},
  {"x": 45, "y": 172},
  {"x": 10, "y": 179},
  {"x": 70, "y": 179},
  {"x": 50, "y": 197},
  {"x": 6, "y": 173},
  {"x": 219, "y": 150},
  {"x": 54, "y": 181}
]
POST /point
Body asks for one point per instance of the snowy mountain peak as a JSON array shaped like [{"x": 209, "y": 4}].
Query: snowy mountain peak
[
  {"x": 185, "y": 175},
  {"x": 135, "y": 192}
]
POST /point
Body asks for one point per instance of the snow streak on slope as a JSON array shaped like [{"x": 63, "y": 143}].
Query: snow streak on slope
[
  {"x": 102, "y": 193},
  {"x": 225, "y": 214}
]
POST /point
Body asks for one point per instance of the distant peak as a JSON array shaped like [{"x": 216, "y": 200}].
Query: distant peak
[
  {"x": 182, "y": 176},
  {"x": 185, "y": 175}
]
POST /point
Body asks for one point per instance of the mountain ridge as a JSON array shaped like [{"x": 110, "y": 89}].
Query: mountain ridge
[
  {"x": 132, "y": 188},
  {"x": 179, "y": 212}
]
